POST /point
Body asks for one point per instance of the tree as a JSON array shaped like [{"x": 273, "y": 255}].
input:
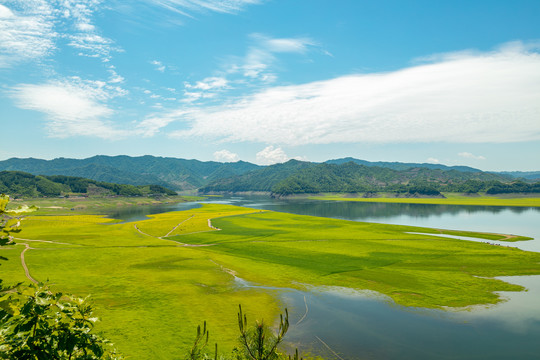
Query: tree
[
  {"x": 40, "y": 324},
  {"x": 8, "y": 226},
  {"x": 37, "y": 324},
  {"x": 256, "y": 342}
]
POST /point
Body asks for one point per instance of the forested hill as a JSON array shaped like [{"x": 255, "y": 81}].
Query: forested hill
[
  {"x": 402, "y": 166},
  {"x": 19, "y": 184},
  {"x": 304, "y": 177},
  {"x": 178, "y": 174},
  {"x": 263, "y": 179},
  {"x": 212, "y": 176}
]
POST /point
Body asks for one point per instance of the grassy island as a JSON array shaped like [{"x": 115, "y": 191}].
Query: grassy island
[{"x": 532, "y": 200}]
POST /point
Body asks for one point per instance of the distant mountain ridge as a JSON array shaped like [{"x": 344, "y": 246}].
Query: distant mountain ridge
[
  {"x": 179, "y": 174},
  {"x": 402, "y": 166},
  {"x": 212, "y": 176},
  {"x": 295, "y": 177},
  {"x": 529, "y": 175}
]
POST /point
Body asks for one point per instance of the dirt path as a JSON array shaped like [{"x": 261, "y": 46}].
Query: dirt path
[
  {"x": 211, "y": 226},
  {"x": 43, "y": 241},
  {"x": 139, "y": 230},
  {"x": 26, "y": 271},
  {"x": 174, "y": 228},
  {"x": 175, "y": 241}
]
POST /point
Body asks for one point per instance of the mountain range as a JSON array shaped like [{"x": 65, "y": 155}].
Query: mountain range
[{"x": 211, "y": 176}]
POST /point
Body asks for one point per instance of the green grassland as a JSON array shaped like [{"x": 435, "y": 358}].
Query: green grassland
[
  {"x": 449, "y": 199},
  {"x": 154, "y": 281}
]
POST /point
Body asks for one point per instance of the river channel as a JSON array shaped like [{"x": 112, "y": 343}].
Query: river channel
[{"x": 340, "y": 323}]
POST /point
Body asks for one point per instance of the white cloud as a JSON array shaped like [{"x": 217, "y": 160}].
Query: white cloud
[
  {"x": 73, "y": 107},
  {"x": 467, "y": 98},
  {"x": 260, "y": 55},
  {"x": 85, "y": 37},
  {"x": 468, "y": 155},
  {"x": 115, "y": 78},
  {"x": 159, "y": 65},
  {"x": 254, "y": 68},
  {"x": 226, "y": 156},
  {"x": 432, "y": 160},
  {"x": 30, "y": 30},
  {"x": 209, "y": 83},
  {"x": 283, "y": 45},
  {"x": 184, "y": 7},
  {"x": 91, "y": 45},
  {"x": 270, "y": 155},
  {"x": 26, "y": 32}
]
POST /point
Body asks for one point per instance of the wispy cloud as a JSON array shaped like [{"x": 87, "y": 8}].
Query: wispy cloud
[
  {"x": 158, "y": 65},
  {"x": 468, "y": 155},
  {"x": 209, "y": 83},
  {"x": 226, "y": 156},
  {"x": 260, "y": 56},
  {"x": 33, "y": 29},
  {"x": 74, "y": 107},
  {"x": 185, "y": 7},
  {"x": 84, "y": 36},
  {"x": 254, "y": 69},
  {"x": 26, "y": 32},
  {"x": 465, "y": 98}
]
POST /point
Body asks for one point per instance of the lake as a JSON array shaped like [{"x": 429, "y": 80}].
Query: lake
[{"x": 346, "y": 324}]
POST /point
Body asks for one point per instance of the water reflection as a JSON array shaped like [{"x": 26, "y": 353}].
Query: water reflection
[
  {"x": 141, "y": 212},
  {"x": 338, "y": 323},
  {"x": 356, "y": 326}
]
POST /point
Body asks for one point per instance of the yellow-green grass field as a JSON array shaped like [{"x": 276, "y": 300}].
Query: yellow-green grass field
[
  {"x": 152, "y": 290},
  {"x": 449, "y": 199}
]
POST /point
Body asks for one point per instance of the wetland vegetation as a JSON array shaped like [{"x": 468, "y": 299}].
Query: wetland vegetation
[{"x": 155, "y": 280}]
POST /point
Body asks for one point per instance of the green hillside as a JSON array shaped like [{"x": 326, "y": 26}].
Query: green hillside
[
  {"x": 178, "y": 174},
  {"x": 296, "y": 177},
  {"x": 21, "y": 184}
]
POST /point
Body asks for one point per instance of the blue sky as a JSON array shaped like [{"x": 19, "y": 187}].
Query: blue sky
[{"x": 455, "y": 82}]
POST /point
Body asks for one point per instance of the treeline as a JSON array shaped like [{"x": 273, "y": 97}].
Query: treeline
[
  {"x": 516, "y": 187},
  {"x": 295, "y": 177},
  {"x": 21, "y": 184}
]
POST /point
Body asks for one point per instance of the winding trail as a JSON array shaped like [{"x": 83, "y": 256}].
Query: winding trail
[
  {"x": 27, "y": 247},
  {"x": 175, "y": 241},
  {"x": 43, "y": 241},
  {"x": 212, "y": 226},
  {"x": 174, "y": 228},
  {"x": 139, "y": 230},
  {"x": 26, "y": 271}
]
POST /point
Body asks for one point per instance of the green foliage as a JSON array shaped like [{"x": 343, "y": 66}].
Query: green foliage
[
  {"x": 296, "y": 177},
  {"x": 27, "y": 185},
  {"x": 256, "y": 342},
  {"x": 518, "y": 187},
  {"x": 8, "y": 224},
  {"x": 36, "y": 323},
  {"x": 177, "y": 174},
  {"x": 257, "y": 180}
]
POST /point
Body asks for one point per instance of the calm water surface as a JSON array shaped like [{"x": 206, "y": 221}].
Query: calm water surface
[{"x": 346, "y": 324}]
